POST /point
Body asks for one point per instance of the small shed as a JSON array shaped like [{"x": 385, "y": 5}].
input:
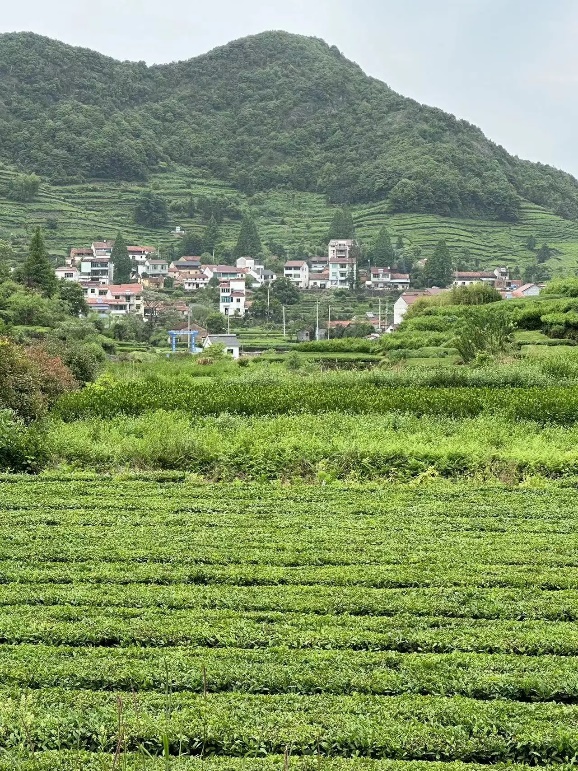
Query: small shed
[{"x": 229, "y": 342}]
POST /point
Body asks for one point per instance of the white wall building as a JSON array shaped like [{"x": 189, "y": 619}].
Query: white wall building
[
  {"x": 468, "y": 277},
  {"x": 386, "y": 279},
  {"x": 114, "y": 299},
  {"x": 232, "y": 297},
  {"x": 153, "y": 268},
  {"x": 342, "y": 272},
  {"x": 297, "y": 271},
  {"x": 230, "y": 343}
]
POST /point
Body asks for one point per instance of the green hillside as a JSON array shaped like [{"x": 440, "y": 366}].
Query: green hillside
[
  {"x": 269, "y": 112},
  {"x": 298, "y": 221}
]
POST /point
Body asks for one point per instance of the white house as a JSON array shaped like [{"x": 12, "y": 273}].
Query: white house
[
  {"x": 223, "y": 272},
  {"x": 153, "y": 268},
  {"x": 114, "y": 299},
  {"x": 319, "y": 279},
  {"x": 297, "y": 271},
  {"x": 386, "y": 279},
  {"x": 342, "y": 272},
  {"x": 468, "y": 277},
  {"x": 232, "y": 297},
  {"x": 68, "y": 272},
  {"x": 256, "y": 271},
  {"x": 230, "y": 343},
  {"x": 191, "y": 280},
  {"x": 139, "y": 254}
]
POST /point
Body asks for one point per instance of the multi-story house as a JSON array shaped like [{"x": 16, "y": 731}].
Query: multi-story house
[
  {"x": 341, "y": 248},
  {"x": 342, "y": 272},
  {"x": 114, "y": 299},
  {"x": 96, "y": 269},
  {"x": 153, "y": 268},
  {"x": 297, "y": 271},
  {"x": 232, "y": 297},
  {"x": 386, "y": 279}
]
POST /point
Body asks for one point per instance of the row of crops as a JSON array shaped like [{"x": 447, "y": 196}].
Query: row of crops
[
  {"x": 552, "y": 404},
  {"x": 151, "y": 621}
]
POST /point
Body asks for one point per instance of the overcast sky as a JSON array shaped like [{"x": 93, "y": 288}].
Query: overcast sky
[{"x": 509, "y": 66}]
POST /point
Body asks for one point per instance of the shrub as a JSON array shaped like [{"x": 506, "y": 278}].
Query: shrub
[
  {"x": 31, "y": 379},
  {"x": 21, "y": 447}
]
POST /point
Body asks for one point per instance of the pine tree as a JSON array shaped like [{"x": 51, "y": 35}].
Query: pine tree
[
  {"x": 249, "y": 241},
  {"x": 37, "y": 271},
  {"x": 122, "y": 265},
  {"x": 342, "y": 226},
  {"x": 211, "y": 236},
  {"x": 438, "y": 268},
  {"x": 381, "y": 253}
]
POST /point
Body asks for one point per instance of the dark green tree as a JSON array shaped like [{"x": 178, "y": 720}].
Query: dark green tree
[
  {"x": 282, "y": 290},
  {"x": 438, "y": 268},
  {"x": 73, "y": 295},
  {"x": 381, "y": 253},
  {"x": 249, "y": 241},
  {"x": 211, "y": 237},
  {"x": 24, "y": 187},
  {"x": 36, "y": 271},
  {"x": 342, "y": 226},
  {"x": 544, "y": 254},
  {"x": 122, "y": 266},
  {"x": 191, "y": 245},
  {"x": 151, "y": 210},
  {"x": 216, "y": 324}
]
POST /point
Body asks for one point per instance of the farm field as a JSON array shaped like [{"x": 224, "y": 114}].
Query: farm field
[
  {"x": 298, "y": 221},
  {"x": 339, "y": 626}
]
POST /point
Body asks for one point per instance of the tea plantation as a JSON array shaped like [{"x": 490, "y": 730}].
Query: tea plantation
[{"x": 154, "y": 621}]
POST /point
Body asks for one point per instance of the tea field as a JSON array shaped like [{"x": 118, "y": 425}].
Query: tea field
[{"x": 154, "y": 621}]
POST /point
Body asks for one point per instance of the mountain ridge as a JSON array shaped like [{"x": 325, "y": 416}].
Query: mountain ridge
[{"x": 269, "y": 111}]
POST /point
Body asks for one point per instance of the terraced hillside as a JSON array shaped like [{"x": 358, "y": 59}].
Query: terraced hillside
[
  {"x": 154, "y": 616},
  {"x": 296, "y": 220}
]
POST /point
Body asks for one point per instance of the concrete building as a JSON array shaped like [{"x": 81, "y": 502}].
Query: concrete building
[
  {"x": 341, "y": 249},
  {"x": 297, "y": 271},
  {"x": 232, "y": 297},
  {"x": 385, "y": 279},
  {"x": 229, "y": 342},
  {"x": 342, "y": 272}
]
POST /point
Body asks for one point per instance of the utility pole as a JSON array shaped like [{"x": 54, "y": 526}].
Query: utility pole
[
  {"x": 317, "y": 324},
  {"x": 386, "y": 312},
  {"x": 328, "y": 321},
  {"x": 284, "y": 332},
  {"x": 379, "y": 316}
]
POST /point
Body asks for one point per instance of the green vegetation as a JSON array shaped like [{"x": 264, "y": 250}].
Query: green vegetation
[
  {"x": 236, "y": 114},
  {"x": 153, "y": 617}
]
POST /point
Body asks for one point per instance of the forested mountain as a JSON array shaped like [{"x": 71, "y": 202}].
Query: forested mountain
[{"x": 269, "y": 111}]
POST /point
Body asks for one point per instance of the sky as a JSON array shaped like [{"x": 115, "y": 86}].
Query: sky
[{"x": 508, "y": 66}]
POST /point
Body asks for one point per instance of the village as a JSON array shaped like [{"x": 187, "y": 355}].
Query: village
[{"x": 93, "y": 269}]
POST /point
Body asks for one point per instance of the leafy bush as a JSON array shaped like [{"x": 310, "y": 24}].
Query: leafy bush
[{"x": 22, "y": 448}]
